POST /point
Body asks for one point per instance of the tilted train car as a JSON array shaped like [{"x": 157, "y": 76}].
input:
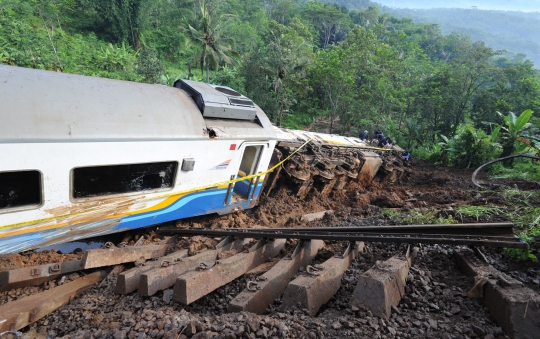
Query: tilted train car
[{"x": 84, "y": 156}]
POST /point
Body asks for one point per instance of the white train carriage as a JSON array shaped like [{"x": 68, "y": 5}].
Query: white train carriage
[{"x": 84, "y": 156}]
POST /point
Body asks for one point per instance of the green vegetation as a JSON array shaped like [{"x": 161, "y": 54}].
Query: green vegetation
[{"x": 302, "y": 63}]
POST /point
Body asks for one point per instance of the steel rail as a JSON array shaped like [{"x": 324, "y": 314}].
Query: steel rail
[
  {"x": 415, "y": 237},
  {"x": 495, "y": 229},
  {"x": 473, "y": 178}
]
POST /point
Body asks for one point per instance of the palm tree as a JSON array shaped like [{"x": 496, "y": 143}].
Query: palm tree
[{"x": 214, "y": 47}]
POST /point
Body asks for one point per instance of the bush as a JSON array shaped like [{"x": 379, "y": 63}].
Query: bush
[
  {"x": 472, "y": 147},
  {"x": 469, "y": 148},
  {"x": 149, "y": 66}
]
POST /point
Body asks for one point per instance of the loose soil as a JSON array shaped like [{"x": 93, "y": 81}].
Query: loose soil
[{"x": 435, "y": 305}]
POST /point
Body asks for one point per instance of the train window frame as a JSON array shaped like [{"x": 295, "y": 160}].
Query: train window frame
[
  {"x": 31, "y": 206},
  {"x": 73, "y": 199}
]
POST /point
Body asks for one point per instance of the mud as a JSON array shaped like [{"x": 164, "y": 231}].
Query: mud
[{"x": 435, "y": 305}]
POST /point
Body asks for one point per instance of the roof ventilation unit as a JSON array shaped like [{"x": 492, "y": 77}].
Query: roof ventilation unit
[{"x": 218, "y": 101}]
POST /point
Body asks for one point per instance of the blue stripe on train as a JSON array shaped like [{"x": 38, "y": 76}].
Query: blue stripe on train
[{"x": 194, "y": 204}]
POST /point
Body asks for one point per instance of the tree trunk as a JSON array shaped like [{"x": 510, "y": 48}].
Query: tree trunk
[
  {"x": 207, "y": 73},
  {"x": 508, "y": 149}
]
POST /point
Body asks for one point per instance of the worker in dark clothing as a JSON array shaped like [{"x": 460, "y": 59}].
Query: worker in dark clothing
[
  {"x": 363, "y": 135},
  {"x": 382, "y": 141},
  {"x": 405, "y": 155},
  {"x": 377, "y": 133}
]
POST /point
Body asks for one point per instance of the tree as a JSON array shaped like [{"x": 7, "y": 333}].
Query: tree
[
  {"x": 126, "y": 19},
  {"x": 328, "y": 19},
  {"x": 276, "y": 74},
  {"x": 514, "y": 139},
  {"x": 334, "y": 72},
  {"x": 214, "y": 47}
]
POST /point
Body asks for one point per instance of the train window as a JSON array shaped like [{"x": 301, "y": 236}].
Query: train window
[
  {"x": 20, "y": 189},
  {"x": 118, "y": 179}
]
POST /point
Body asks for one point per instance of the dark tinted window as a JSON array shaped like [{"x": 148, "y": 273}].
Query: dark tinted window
[
  {"x": 21, "y": 188},
  {"x": 117, "y": 179}
]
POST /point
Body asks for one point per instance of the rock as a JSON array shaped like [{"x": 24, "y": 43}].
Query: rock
[
  {"x": 167, "y": 295},
  {"x": 455, "y": 310},
  {"x": 478, "y": 330},
  {"x": 118, "y": 334},
  {"x": 446, "y": 336},
  {"x": 391, "y": 330},
  {"x": 204, "y": 335},
  {"x": 190, "y": 329},
  {"x": 253, "y": 324},
  {"x": 433, "y": 324},
  {"x": 337, "y": 325}
]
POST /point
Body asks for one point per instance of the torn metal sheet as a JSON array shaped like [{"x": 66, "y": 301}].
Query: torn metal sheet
[
  {"x": 269, "y": 286},
  {"x": 196, "y": 284}
]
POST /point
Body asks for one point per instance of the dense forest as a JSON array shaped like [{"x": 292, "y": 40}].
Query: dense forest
[
  {"x": 506, "y": 5},
  {"x": 510, "y": 30},
  {"x": 498, "y": 29},
  {"x": 313, "y": 65}
]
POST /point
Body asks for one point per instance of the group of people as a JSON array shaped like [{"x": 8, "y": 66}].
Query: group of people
[
  {"x": 381, "y": 141},
  {"x": 378, "y": 138}
]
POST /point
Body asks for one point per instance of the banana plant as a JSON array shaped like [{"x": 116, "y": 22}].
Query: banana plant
[{"x": 514, "y": 132}]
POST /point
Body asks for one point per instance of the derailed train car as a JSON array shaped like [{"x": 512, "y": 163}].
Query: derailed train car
[{"x": 84, "y": 156}]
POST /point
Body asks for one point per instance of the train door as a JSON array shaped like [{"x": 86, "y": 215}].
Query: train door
[{"x": 246, "y": 190}]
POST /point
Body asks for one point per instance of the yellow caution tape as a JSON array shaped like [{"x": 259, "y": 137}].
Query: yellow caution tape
[{"x": 213, "y": 185}]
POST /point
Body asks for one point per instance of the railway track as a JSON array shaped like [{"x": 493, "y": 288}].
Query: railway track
[
  {"x": 294, "y": 276},
  {"x": 479, "y": 234}
]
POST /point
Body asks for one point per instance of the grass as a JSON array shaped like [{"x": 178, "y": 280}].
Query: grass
[
  {"x": 478, "y": 211},
  {"x": 414, "y": 217},
  {"x": 523, "y": 169}
]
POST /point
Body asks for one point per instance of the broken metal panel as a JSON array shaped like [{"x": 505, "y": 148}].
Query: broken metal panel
[
  {"x": 35, "y": 275},
  {"x": 196, "y": 284},
  {"x": 128, "y": 281},
  {"x": 23, "y": 312},
  {"x": 317, "y": 287},
  {"x": 271, "y": 284},
  {"x": 115, "y": 255},
  {"x": 165, "y": 276},
  {"x": 382, "y": 286}
]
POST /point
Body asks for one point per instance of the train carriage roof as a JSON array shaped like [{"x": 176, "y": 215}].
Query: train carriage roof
[{"x": 51, "y": 106}]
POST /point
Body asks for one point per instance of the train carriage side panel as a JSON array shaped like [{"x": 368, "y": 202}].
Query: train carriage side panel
[{"x": 62, "y": 125}]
